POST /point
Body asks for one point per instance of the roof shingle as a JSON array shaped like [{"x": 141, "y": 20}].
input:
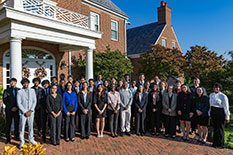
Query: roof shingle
[
  {"x": 140, "y": 38},
  {"x": 109, "y": 5}
]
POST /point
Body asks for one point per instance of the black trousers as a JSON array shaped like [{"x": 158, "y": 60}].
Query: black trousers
[
  {"x": 38, "y": 119},
  {"x": 85, "y": 123},
  {"x": 9, "y": 117},
  {"x": 170, "y": 124},
  {"x": 218, "y": 118},
  {"x": 156, "y": 120},
  {"x": 140, "y": 120},
  {"x": 55, "y": 128},
  {"x": 113, "y": 121},
  {"x": 69, "y": 126},
  {"x": 44, "y": 120}
]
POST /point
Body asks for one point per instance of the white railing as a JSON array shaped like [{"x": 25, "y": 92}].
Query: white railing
[
  {"x": 48, "y": 8},
  {"x": 4, "y": 3}
]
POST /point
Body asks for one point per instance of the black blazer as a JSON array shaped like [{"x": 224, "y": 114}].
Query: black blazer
[
  {"x": 158, "y": 105},
  {"x": 183, "y": 106},
  {"x": 88, "y": 104},
  {"x": 44, "y": 98},
  {"x": 9, "y": 99},
  {"x": 39, "y": 96},
  {"x": 141, "y": 105}
]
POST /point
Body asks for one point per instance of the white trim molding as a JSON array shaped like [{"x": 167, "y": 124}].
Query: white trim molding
[{"x": 104, "y": 9}]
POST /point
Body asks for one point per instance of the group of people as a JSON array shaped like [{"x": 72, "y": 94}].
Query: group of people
[{"x": 135, "y": 105}]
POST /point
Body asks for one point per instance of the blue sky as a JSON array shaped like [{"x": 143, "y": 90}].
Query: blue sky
[{"x": 201, "y": 22}]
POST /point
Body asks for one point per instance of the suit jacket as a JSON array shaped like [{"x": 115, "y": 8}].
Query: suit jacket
[
  {"x": 88, "y": 104},
  {"x": 166, "y": 105},
  {"x": 183, "y": 106},
  {"x": 158, "y": 102},
  {"x": 26, "y": 105},
  {"x": 44, "y": 99},
  {"x": 9, "y": 99},
  {"x": 39, "y": 97},
  {"x": 143, "y": 104}
]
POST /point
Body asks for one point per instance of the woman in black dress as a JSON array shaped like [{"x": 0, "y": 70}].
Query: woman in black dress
[
  {"x": 201, "y": 103},
  {"x": 185, "y": 110},
  {"x": 55, "y": 107},
  {"x": 100, "y": 103}
]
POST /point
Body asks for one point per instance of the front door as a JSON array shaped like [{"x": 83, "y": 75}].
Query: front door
[{"x": 32, "y": 60}]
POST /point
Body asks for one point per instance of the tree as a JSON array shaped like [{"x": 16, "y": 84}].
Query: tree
[
  {"x": 200, "y": 61},
  {"x": 109, "y": 64},
  {"x": 162, "y": 62}
]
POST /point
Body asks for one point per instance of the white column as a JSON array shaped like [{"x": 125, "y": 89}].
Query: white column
[
  {"x": 16, "y": 59},
  {"x": 89, "y": 64},
  {"x": 69, "y": 62}
]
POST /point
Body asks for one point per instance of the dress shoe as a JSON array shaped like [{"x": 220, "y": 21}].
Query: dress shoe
[
  {"x": 122, "y": 134},
  {"x": 87, "y": 137},
  {"x": 8, "y": 142},
  {"x": 128, "y": 133},
  {"x": 82, "y": 137}
]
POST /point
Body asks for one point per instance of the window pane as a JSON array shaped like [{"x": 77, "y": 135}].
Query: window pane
[
  {"x": 173, "y": 45},
  {"x": 114, "y": 27},
  {"x": 164, "y": 42}
]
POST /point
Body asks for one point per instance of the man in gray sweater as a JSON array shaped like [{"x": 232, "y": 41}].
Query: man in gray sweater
[{"x": 126, "y": 102}]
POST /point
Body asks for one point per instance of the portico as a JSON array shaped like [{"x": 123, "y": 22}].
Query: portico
[{"x": 43, "y": 21}]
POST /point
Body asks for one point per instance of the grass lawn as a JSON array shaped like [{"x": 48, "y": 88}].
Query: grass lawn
[{"x": 229, "y": 133}]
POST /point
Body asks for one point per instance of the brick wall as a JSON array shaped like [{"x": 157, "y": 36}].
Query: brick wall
[{"x": 105, "y": 24}]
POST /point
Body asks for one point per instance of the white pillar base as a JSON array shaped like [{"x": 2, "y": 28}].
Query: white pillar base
[
  {"x": 16, "y": 59},
  {"x": 89, "y": 64}
]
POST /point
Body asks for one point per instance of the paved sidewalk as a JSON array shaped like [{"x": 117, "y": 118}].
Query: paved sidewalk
[{"x": 133, "y": 145}]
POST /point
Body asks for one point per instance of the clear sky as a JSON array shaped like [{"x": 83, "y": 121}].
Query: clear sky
[{"x": 201, "y": 22}]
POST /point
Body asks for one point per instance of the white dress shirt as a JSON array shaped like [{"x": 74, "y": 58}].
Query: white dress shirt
[{"x": 220, "y": 100}]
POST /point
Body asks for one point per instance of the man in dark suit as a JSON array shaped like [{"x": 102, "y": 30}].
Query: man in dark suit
[
  {"x": 44, "y": 112},
  {"x": 38, "y": 91},
  {"x": 141, "y": 80},
  {"x": 12, "y": 112}
]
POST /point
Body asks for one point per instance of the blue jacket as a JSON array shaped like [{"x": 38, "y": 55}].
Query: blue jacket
[
  {"x": 70, "y": 100},
  {"x": 97, "y": 83}
]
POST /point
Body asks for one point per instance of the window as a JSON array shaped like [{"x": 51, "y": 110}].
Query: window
[
  {"x": 173, "y": 44},
  {"x": 114, "y": 30},
  {"x": 95, "y": 20},
  {"x": 164, "y": 42}
]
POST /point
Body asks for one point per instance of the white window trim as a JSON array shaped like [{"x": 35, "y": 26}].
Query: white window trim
[
  {"x": 93, "y": 14},
  {"x": 117, "y": 30}
]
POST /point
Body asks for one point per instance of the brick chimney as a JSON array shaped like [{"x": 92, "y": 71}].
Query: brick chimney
[{"x": 164, "y": 14}]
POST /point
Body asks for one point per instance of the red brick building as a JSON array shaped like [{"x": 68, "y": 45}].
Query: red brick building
[
  {"x": 48, "y": 33},
  {"x": 140, "y": 39}
]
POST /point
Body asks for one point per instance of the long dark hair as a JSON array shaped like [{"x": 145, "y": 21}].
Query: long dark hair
[
  {"x": 103, "y": 91},
  {"x": 88, "y": 91},
  {"x": 72, "y": 89},
  {"x": 138, "y": 91}
]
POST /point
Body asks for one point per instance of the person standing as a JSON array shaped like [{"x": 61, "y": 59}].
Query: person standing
[
  {"x": 201, "y": 103},
  {"x": 85, "y": 103},
  {"x": 127, "y": 79},
  {"x": 140, "y": 102},
  {"x": 26, "y": 101},
  {"x": 120, "y": 85},
  {"x": 185, "y": 110},
  {"x": 169, "y": 112},
  {"x": 177, "y": 89},
  {"x": 43, "y": 109},
  {"x": 113, "y": 110},
  {"x": 54, "y": 106},
  {"x": 70, "y": 106},
  {"x": 155, "y": 104},
  {"x": 100, "y": 102},
  {"x": 141, "y": 79},
  {"x": 12, "y": 110},
  {"x": 99, "y": 81},
  {"x": 220, "y": 114},
  {"x": 38, "y": 91},
  {"x": 126, "y": 102}
]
